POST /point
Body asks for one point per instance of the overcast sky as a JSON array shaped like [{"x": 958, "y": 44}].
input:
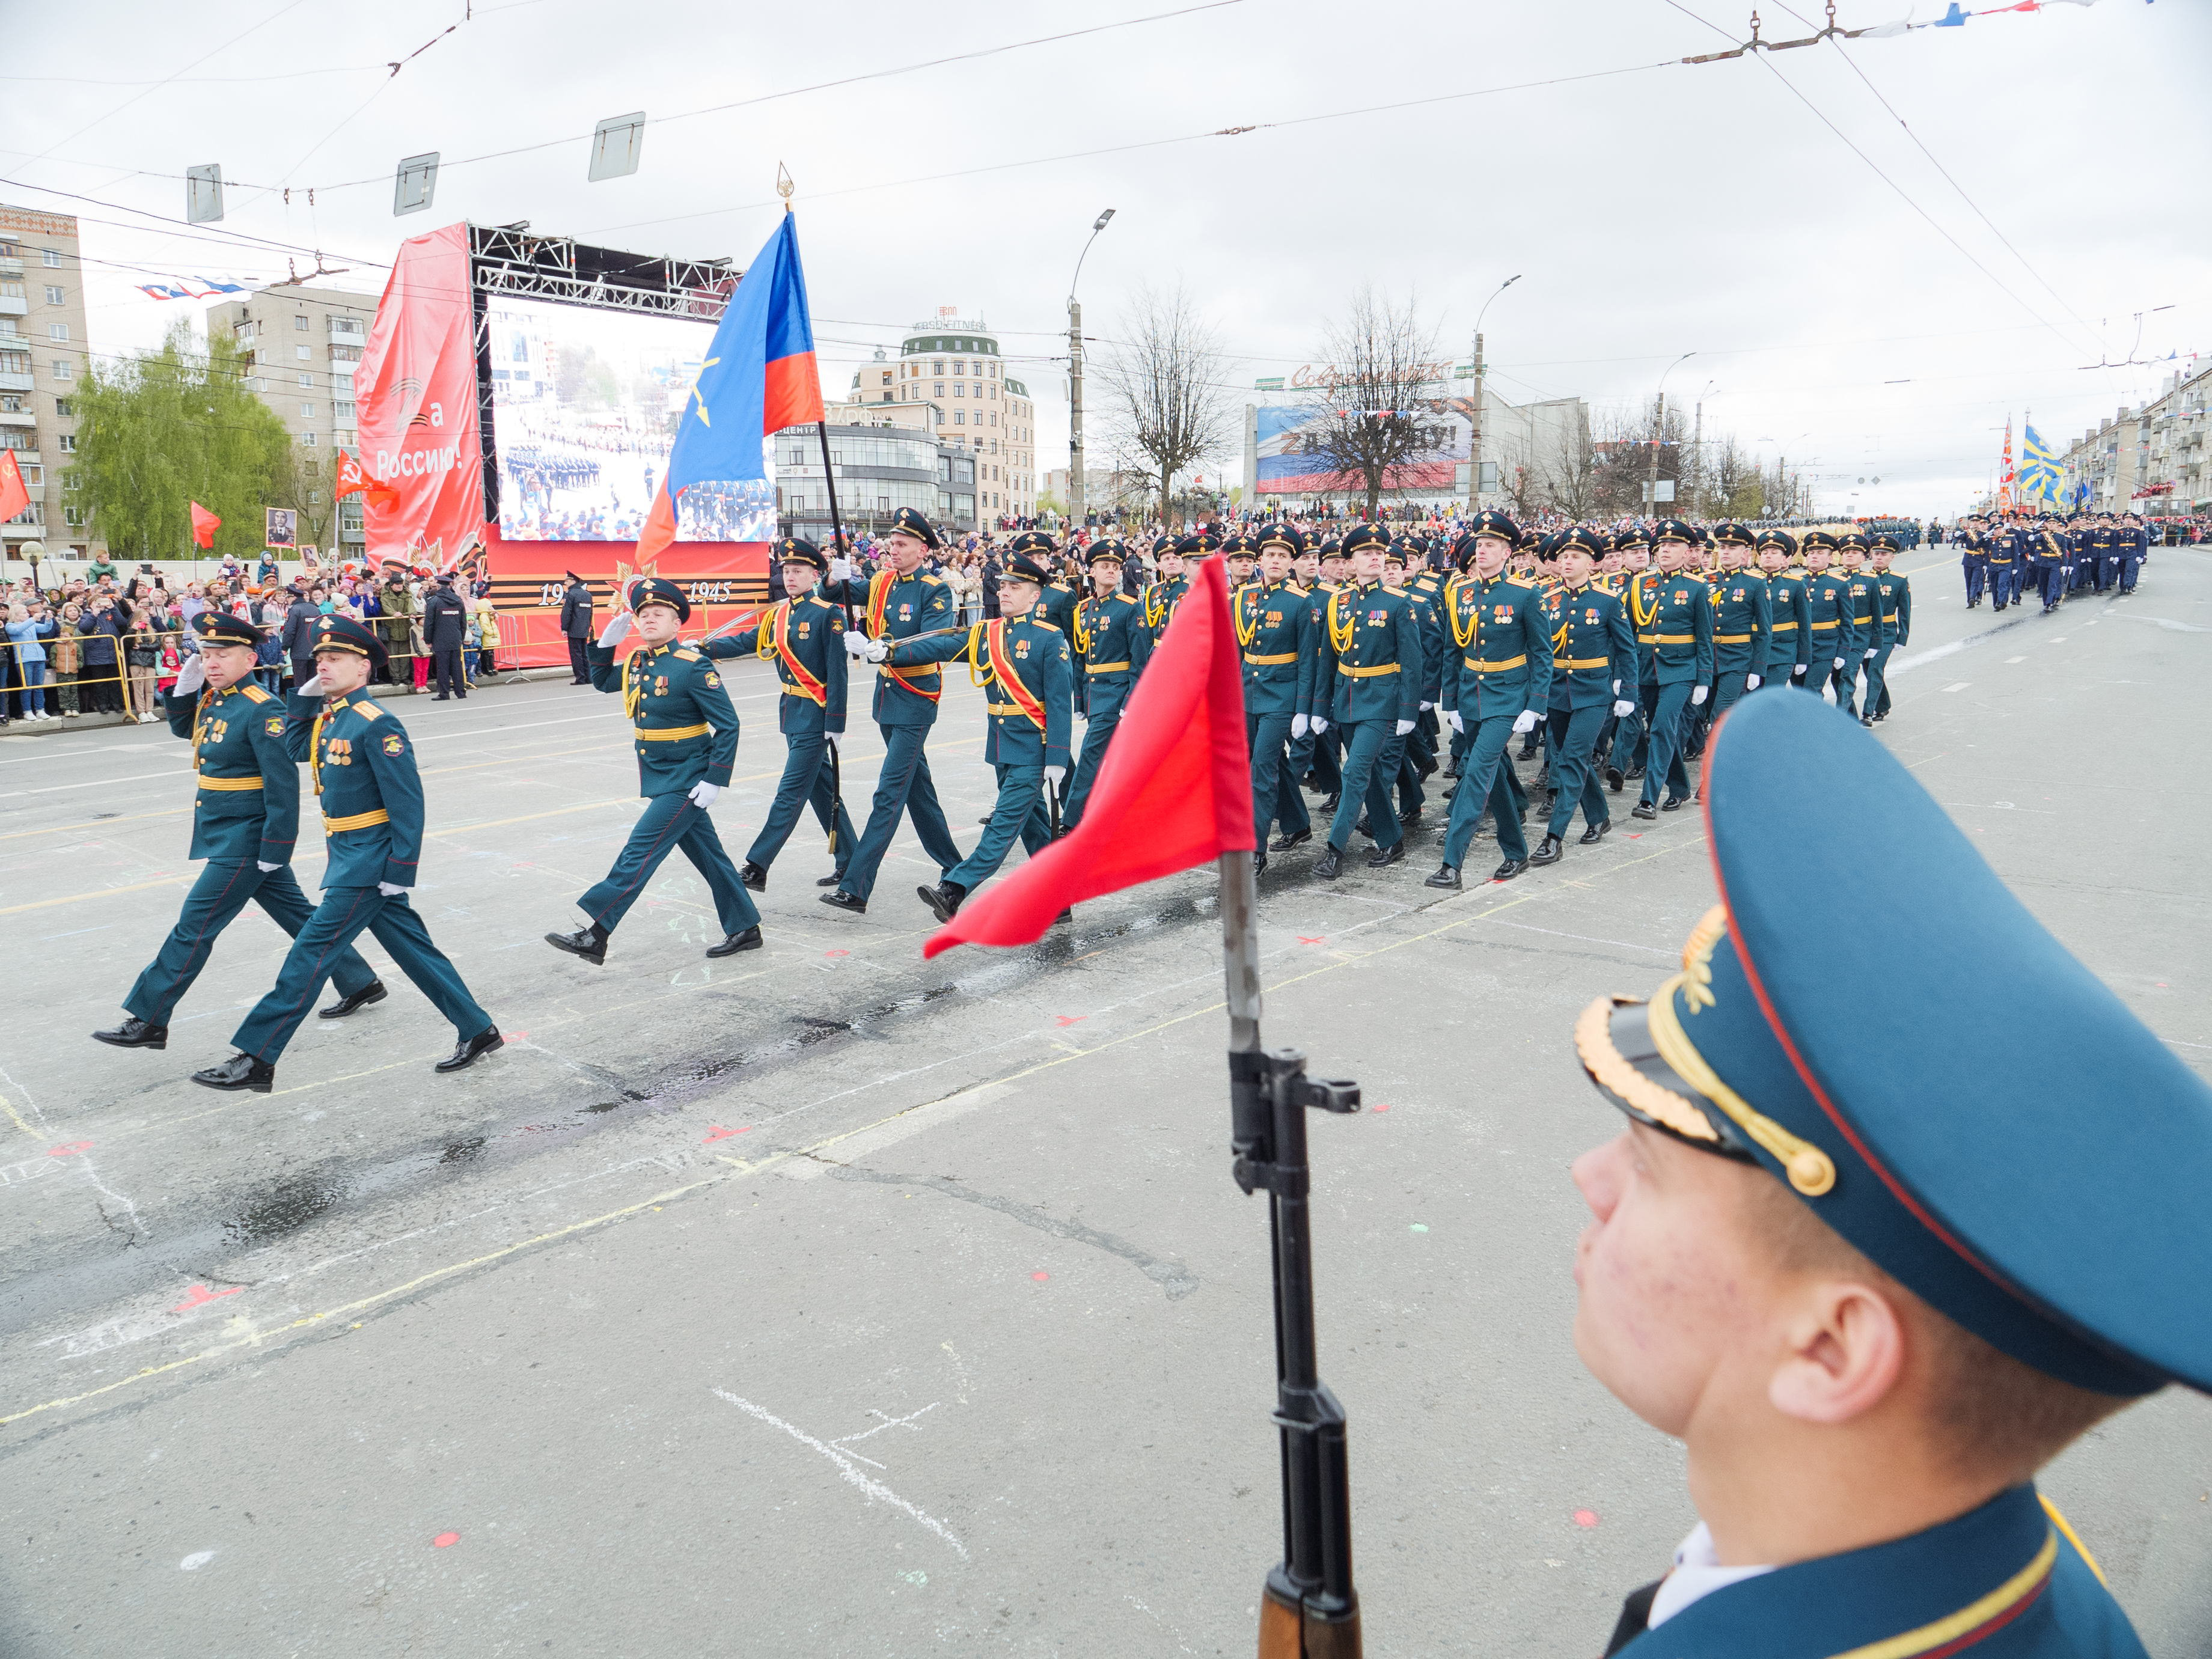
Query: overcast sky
[{"x": 1651, "y": 209}]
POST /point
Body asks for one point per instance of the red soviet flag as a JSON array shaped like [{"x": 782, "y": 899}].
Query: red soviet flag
[
  {"x": 204, "y": 525},
  {"x": 1175, "y": 790},
  {"x": 14, "y": 496}
]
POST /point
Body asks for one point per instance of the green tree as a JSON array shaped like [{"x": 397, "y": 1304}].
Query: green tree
[{"x": 166, "y": 427}]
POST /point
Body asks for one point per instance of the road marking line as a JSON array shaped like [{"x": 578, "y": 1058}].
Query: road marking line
[{"x": 1958, "y": 685}]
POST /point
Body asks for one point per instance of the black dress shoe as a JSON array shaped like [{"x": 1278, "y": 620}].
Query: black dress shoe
[
  {"x": 134, "y": 1033},
  {"x": 1285, "y": 843},
  {"x": 1634, "y": 772},
  {"x": 1595, "y": 833},
  {"x": 466, "y": 1051},
  {"x": 1549, "y": 852},
  {"x": 830, "y": 880},
  {"x": 1510, "y": 869},
  {"x": 1331, "y": 803},
  {"x": 1447, "y": 876},
  {"x": 1866, "y": 720},
  {"x": 750, "y": 940},
  {"x": 1384, "y": 856},
  {"x": 842, "y": 900},
  {"x": 755, "y": 876},
  {"x": 239, "y": 1072},
  {"x": 372, "y": 991},
  {"x": 1407, "y": 820},
  {"x": 1452, "y": 771},
  {"x": 1363, "y": 827},
  {"x": 1613, "y": 778},
  {"x": 589, "y": 942},
  {"x": 442, "y": 697},
  {"x": 1065, "y": 916},
  {"x": 1330, "y": 864},
  {"x": 1259, "y": 862},
  {"x": 1643, "y": 809},
  {"x": 1673, "y": 803},
  {"x": 943, "y": 899}
]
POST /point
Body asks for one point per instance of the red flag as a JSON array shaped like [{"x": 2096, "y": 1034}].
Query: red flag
[
  {"x": 14, "y": 497},
  {"x": 1175, "y": 789},
  {"x": 204, "y": 525},
  {"x": 353, "y": 480}
]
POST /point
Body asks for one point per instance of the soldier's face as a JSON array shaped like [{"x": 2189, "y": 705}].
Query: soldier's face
[
  {"x": 1490, "y": 553},
  {"x": 1732, "y": 558},
  {"x": 1170, "y": 566},
  {"x": 907, "y": 552},
  {"x": 1672, "y": 556},
  {"x": 799, "y": 579},
  {"x": 226, "y": 665},
  {"x": 1635, "y": 558},
  {"x": 1816, "y": 560},
  {"x": 1105, "y": 577},
  {"x": 1575, "y": 565},
  {"x": 1016, "y": 597},
  {"x": 657, "y": 624},
  {"x": 1275, "y": 564},
  {"x": 341, "y": 671},
  {"x": 1771, "y": 559}
]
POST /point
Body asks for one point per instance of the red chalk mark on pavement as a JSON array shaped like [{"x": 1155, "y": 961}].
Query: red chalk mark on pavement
[
  {"x": 518, "y": 1036},
  {"x": 199, "y": 1295},
  {"x": 1040, "y": 1277},
  {"x": 1070, "y": 1019},
  {"x": 716, "y": 1132},
  {"x": 1586, "y": 1517},
  {"x": 73, "y": 1148},
  {"x": 1635, "y": 834},
  {"x": 837, "y": 953},
  {"x": 445, "y": 1540},
  {"x": 1378, "y": 1108},
  {"x": 1303, "y": 940}
]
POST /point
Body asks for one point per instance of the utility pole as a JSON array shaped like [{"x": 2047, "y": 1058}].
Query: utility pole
[
  {"x": 1076, "y": 508},
  {"x": 1658, "y": 438},
  {"x": 1474, "y": 443},
  {"x": 1698, "y": 461}
]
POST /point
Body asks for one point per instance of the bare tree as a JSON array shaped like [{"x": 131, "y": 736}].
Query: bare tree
[
  {"x": 1568, "y": 481},
  {"x": 1167, "y": 404},
  {"x": 1378, "y": 410}
]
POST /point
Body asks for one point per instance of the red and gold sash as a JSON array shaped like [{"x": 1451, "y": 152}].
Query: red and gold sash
[
  {"x": 880, "y": 599},
  {"x": 773, "y": 641},
  {"x": 1002, "y": 670}
]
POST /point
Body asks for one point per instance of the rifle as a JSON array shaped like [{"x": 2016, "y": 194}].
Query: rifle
[{"x": 1308, "y": 1608}]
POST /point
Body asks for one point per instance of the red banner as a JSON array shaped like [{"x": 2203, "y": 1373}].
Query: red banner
[{"x": 417, "y": 392}]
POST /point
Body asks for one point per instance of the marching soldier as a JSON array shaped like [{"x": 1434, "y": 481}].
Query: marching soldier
[
  {"x": 1895, "y": 597},
  {"x": 898, "y": 604},
  {"x": 1166, "y": 591},
  {"x": 1314, "y": 756},
  {"x": 1594, "y": 665},
  {"x": 1875, "y": 1283},
  {"x": 1789, "y": 620},
  {"x": 1869, "y": 621},
  {"x": 1057, "y": 604},
  {"x": 245, "y": 817},
  {"x": 364, "y": 772},
  {"x": 1240, "y": 556},
  {"x": 1743, "y": 620},
  {"x": 1831, "y": 632},
  {"x": 1112, "y": 646},
  {"x": 2006, "y": 563},
  {"x": 803, "y": 634},
  {"x": 1414, "y": 762},
  {"x": 1631, "y": 742},
  {"x": 2134, "y": 548},
  {"x": 1974, "y": 559},
  {"x": 1280, "y": 639},
  {"x": 1674, "y": 621},
  {"x": 687, "y": 742},
  {"x": 1368, "y": 682},
  {"x": 1496, "y": 686},
  {"x": 1028, "y": 675}
]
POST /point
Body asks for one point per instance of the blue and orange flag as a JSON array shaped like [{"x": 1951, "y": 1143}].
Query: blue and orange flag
[{"x": 759, "y": 378}]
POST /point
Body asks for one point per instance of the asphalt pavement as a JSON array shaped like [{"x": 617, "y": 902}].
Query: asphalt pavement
[{"x": 825, "y": 1301}]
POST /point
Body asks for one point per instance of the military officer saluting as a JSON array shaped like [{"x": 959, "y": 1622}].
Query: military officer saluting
[
  {"x": 803, "y": 634},
  {"x": 1871, "y": 1275},
  {"x": 1895, "y": 597},
  {"x": 1789, "y": 620},
  {"x": 1593, "y": 675},
  {"x": 1028, "y": 675},
  {"x": 1675, "y": 623},
  {"x": 686, "y": 738},
  {"x": 1112, "y": 646},
  {"x": 898, "y": 604},
  {"x": 246, "y": 814},
  {"x": 1497, "y": 683},
  {"x": 1743, "y": 619},
  {"x": 1368, "y": 682},
  {"x": 1281, "y": 640},
  {"x": 364, "y": 772}
]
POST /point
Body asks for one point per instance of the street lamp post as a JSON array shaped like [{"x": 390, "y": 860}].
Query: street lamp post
[
  {"x": 1698, "y": 455},
  {"x": 1075, "y": 490},
  {"x": 1475, "y": 442},
  {"x": 1659, "y": 436}
]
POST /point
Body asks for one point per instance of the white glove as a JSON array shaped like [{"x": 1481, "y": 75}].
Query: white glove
[
  {"x": 1697, "y": 695},
  {"x": 856, "y": 645},
  {"x": 390, "y": 889},
  {"x": 1056, "y": 775},
  {"x": 1458, "y": 725},
  {"x": 310, "y": 687},
  {"x": 617, "y": 627},
  {"x": 1405, "y": 728},
  {"x": 1839, "y": 662},
  {"x": 1616, "y": 688},
  {"x": 192, "y": 675},
  {"x": 876, "y": 650},
  {"x": 1753, "y": 681},
  {"x": 1524, "y": 722},
  {"x": 1624, "y": 709},
  {"x": 1868, "y": 658},
  {"x": 1427, "y": 706},
  {"x": 840, "y": 570},
  {"x": 1798, "y": 673},
  {"x": 266, "y": 868},
  {"x": 830, "y": 738},
  {"x": 1299, "y": 724},
  {"x": 703, "y": 793},
  {"x": 1318, "y": 724}
]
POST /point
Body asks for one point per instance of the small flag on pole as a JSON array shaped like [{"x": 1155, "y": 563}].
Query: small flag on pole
[
  {"x": 204, "y": 525},
  {"x": 15, "y": 496}
]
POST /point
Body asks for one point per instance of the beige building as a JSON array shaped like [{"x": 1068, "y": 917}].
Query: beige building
[
  {"x": 949, "y": 378},
  {"x": 302, "y": 346},
  {"x": 43, "y": 352}
]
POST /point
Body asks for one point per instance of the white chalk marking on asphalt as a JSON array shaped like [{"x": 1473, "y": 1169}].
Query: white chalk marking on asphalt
[
  {"x": 93, "y": 783},
  {"x": 2061, "y": 639},
  {"x": 1958, "y": 685},
  {"x": 196, "y": 1560},
  {"x": 56, "y": 755},
  {"x": 907, "y": 1124},
  {"x": 876, "y": 1491},
  {"x": 1589, "y": 939},
  {"x": 2010, "y": 660}
]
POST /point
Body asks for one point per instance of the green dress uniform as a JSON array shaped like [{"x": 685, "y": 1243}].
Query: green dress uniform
[
  {"x": 1830, "y": 631},
  {"x": 1870, "y": 624},
  {"x": 364, "y": 771},
  {"x": 1057, "y": 604},
  {"x": 1743, "y": 622},
  {"x": 1789, "y": 621},
  {"x": 1112, "y": 646},
  {"x": 1280, "y": 643},
  {"x": 1896, "y": 595},
  {"x": 1676, "y": 620},
  {"x": 1161, "y": 599},
  {"x": 1594, "y": 663},
  {"x": 1500, "y": 666},
  {"x": 1368, "y": 680},
  {"x": 686, "y": 733},
  {"x": 1418, "y": 753},
  {"x": 1316, "y": 753},
  {"x": 245, "y": 815}
]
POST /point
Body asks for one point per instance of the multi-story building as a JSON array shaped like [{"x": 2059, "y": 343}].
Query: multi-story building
[
  {"x": 2151, "y": 459},
  {"x": 300, "y": 346},
  {"x": 43, "y": 351},
  {"x": 951, "y": 378},
  {"x": 880, "y": 467}
]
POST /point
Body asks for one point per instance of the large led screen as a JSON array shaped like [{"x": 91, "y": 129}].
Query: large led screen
[{"x": 585, "y": 405}]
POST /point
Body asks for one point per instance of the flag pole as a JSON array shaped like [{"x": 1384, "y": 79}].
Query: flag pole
[{"x": 1308, "y": 1609}]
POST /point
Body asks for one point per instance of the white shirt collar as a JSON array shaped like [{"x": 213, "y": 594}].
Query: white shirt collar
[{"x": 1698, "y": 1573}]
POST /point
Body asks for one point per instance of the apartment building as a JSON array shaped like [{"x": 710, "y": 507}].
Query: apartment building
[
  {"x": 301, "y": 345},
  {"x": 950, "y": 377},
  {"x": 43, "y": 352},
  {"x": 2150, "y": 459}
]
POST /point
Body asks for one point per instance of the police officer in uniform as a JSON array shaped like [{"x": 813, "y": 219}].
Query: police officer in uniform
[
  {"x": 245, "y": 815},
  {"x": 1496, "y": 685},
  {"x": 898, "y": 604},
  {"x": 1675, "y": 623},
  {"x": 1028, "y": 675},
  {"x": 687, "y": 742},
  {"x": 364, "y": 773},
  {"x": 1280, "y": 643},
  {"x": 1593, "y": 671},
  {"x": 1368, "y": 682},
  {"x": 1112, "y": 646},
  {"x": 1872, "y": 1276},
  {"x": 804, "y": 636}
]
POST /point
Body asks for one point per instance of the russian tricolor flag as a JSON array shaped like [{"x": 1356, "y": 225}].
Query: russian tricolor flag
[{"x": 759, "y": 378}]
